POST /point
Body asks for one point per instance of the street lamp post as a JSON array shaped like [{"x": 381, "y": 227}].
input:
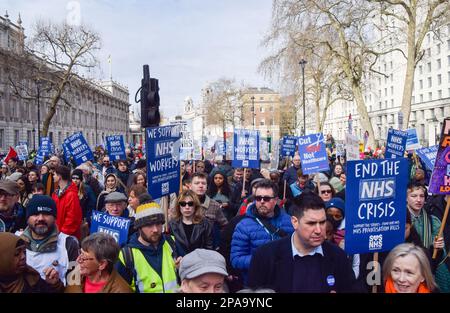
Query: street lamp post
[
  {"x": 253, "y": 111},
  {"x": 302, "y": 64},
  {"x": 38, "y": 86}
]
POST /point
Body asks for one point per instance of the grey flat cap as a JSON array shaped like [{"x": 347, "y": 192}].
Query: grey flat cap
[
  {"x": 115, "y": 196},
  {"x": 202, "y": 261},
  {"x": 9, "y": 186}
]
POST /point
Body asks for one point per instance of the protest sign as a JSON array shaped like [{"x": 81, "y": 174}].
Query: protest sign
[
  {"x": 45, "y": 146},
  {"x": 264, "y": 149},
  {"x": 396, "y": 143},
  {"x": 39, "y": 159},
  {"x": 79, "y": 148},
  {"x": 187, "y": 140},
  {"x": 375, "y": 216},
  {"x": 116, "y": 147},
  {"x": 66, "y": 151},
  {"x": 340, "y": 149},
  {"x": 428, "y": 156},
  {"x": 313, "y": 153},
  {"x": 246, "y": 148},
  {"x": 115, "y": 226},
  {"x": 352, "y": 147},
  {"x": 163, "y": 160},
  {"x": 412, "y": 143},
  {"x": 22, "y": 152},
  {"x": 440, "y": 178},
  {"x": 288, "y": 146}
]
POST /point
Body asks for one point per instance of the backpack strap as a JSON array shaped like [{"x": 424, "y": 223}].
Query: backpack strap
[
  {"x": 129, "y": 265},
  {"x": 274, "y": 231},
  {"x": 172, "y": 245}
]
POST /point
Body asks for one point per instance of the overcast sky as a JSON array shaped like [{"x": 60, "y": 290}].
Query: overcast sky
[{"x": 187, "y": 43}]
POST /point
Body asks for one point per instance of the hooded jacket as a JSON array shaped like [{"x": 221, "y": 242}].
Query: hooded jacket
[
  {"x": 69, "y": 212},
  {"x": 29, "y": 280}
]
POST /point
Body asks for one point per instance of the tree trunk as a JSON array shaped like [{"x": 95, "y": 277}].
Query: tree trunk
[
  {"x": 409, "y": 75},
  {"x": 366, "y": 125}
]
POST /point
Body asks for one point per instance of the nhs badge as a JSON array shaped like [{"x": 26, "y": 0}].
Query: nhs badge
[{"x": 331, "y": 280}]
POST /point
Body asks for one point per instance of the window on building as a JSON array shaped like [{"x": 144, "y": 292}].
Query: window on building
[
  {"x": 385, "y": 104},
  {"x": 29, "y": 138},
  {"x": 428, "y": 38},
  {"x": 429, "y": 52},
  {"x": 392, "y": 77},
  {"x": 2, "y": 138},
  {"x": 429, "y": 82},
  {"x": 429, "y": 67},
  {"x": 421, "y": 84},
  {"x": 438, "y": 48},
  {"x": 392, "y": 90},
  {"x": 385, "y": 92},
  {"x": 420, "y": 69},
  {"x": 439, "y": 79},
  {"x": 261, "y": 98},
  {"x": 421, "y": 98},
  {"x": 448, "y": 60},
  {"x": 430, "y": 96},
  {"x": 262, "y": 122},
  {"x": 16, "y": 137},
  {"x": 413, "y": 100},
  {"x": 439, "y": 94},
  {"x": 391, "y": 65},
  {"x": 385, "y": 79},
  {"x": 261, "y": 109},
  {"x": 439, "y": 64},
  {"x": 379, "y": 91},
  {"x": 392, "y": 103}
]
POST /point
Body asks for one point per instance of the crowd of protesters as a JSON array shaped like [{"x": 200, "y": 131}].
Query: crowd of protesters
[{"x": 228, "y": 229}]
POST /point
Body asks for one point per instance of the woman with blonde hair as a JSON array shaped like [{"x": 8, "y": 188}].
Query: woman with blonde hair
[
  {"x": 190, "y": 227},
  {"x": 407, "y": 270}
]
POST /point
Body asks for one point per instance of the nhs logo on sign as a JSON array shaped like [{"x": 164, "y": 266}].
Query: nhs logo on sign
[
  {"x": 374, "y": 189},
  {"x": 114, "y": 233}
]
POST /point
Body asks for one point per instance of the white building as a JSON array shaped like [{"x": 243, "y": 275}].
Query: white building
[
  {"x": 98, "y": 110},
  {"x": 383, "y": 96}
]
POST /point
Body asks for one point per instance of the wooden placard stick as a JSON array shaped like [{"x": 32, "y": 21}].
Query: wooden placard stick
[
  {"x": 444, "y": 221},
  {"x": 375, "y": 269}
]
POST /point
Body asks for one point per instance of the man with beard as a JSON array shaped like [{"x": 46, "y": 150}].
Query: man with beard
[
  {"x": 47, "y": 248},
  {"x": 12, "y": 214},
  {"x": 150, "y": 260}
]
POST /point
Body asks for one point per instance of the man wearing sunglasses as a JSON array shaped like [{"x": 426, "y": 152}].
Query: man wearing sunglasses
[{"x": 264, "y": 222}]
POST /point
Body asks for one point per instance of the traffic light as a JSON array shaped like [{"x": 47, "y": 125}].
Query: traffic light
[{"x": 150, "y": 116}]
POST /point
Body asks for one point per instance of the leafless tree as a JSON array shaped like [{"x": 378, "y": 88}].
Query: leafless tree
[
  {"x": 55, "y": 61},
  {"x": 409, "y": 22}
]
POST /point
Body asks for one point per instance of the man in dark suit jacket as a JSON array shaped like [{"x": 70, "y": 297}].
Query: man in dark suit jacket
[{"x": 303, "y": 262}]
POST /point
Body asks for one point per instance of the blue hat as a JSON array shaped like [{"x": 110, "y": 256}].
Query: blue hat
[
  {"x": 337, "y": 203},
  {"x": 41, "y": 204}
]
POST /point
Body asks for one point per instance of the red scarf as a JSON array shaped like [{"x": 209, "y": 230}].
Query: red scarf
[{"x": 389, "y": 287}]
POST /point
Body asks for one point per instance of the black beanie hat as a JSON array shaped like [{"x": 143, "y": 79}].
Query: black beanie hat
[
  {"x": 78, "y": 173},
  {"x": 41, "y": 204}
]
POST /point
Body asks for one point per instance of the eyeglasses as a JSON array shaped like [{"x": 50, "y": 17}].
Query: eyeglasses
[
  {"x": 325, "y": 191},
  {"x": 184, "y": 203},
  {"x": 265, "y": 198},
  {"x": 82, "y": 258}
]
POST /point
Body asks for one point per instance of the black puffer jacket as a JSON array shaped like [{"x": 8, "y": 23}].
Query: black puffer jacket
[{"x": 202, "y": 235}]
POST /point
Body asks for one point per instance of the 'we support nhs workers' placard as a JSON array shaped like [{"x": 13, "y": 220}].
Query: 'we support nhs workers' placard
[
  {"x": 396, "y": 143},
  {"x": 440, "y": 179},
  {"x": 288, "y": 146},
  {"x": 45, "y": 148},
  {"x": 116, "y": 147},
  {"x": 428, "y": 156},
  {"x": 246, "y": 148},
  {"x": 79, "y": 148},
  {"x": 313, "y": 153},
  {"x": 163, "y": 160},
  {"x": 375, "y": 215},
  {"x": 115, "y": 226}
]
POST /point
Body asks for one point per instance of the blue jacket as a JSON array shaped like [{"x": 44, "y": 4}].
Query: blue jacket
[
  {"x": 249, "y": 235},
  {"x": 291, "y": 175}
]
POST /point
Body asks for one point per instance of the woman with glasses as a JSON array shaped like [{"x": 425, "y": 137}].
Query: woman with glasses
[
  {"x": 325, "y": 191},
  {"x": 189, "y": 226},
  {"x": 99, "y": 253}
]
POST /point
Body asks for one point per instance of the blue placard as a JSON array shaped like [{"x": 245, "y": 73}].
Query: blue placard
[
  {"x": 375, "y": 214},
  {"x": 246, "y": 148},
  {"x": 116, "y": 147},
  {"x": 66, "y": 151},
  {"x": 79, "y": 148},
  {"x": 39, "y": 159},
  {"x": 288, "y": 145},
  {"x": 163, "y": 160},
  {"x": 428, "y": 156},
  {"x": 115, "y": 226},
  {"x": 45, "y": 146},
  {"x": 396, "y": 143},
  {"x": 412, "y": 142},
  {"x": 22, "y": 152},
  {"x": 313, "y": 153}
]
